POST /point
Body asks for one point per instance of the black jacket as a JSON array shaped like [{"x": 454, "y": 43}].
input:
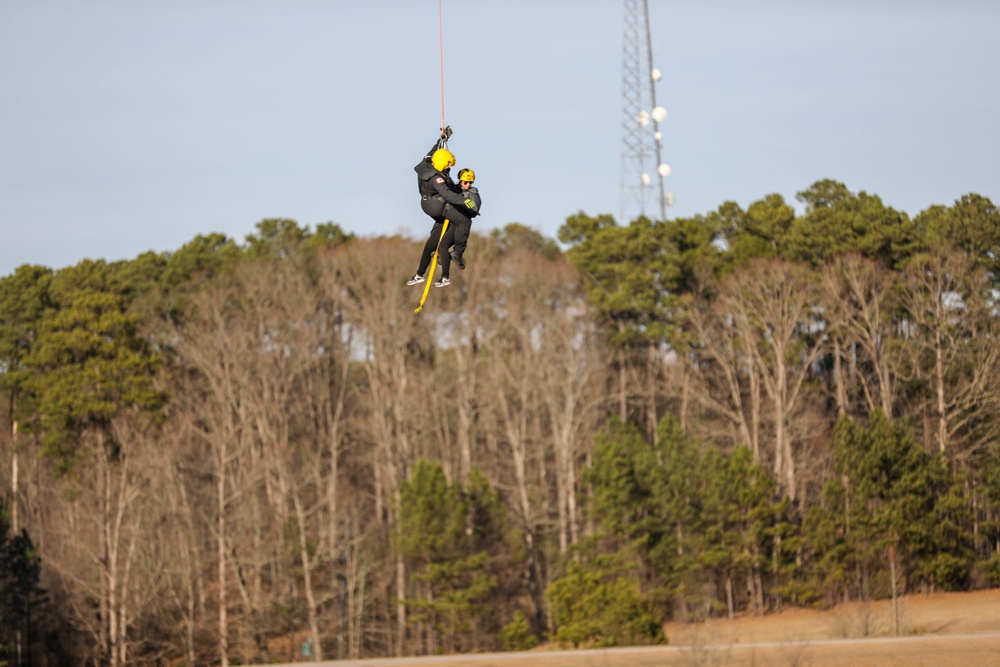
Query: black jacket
[{"x": 462, "y": 214}]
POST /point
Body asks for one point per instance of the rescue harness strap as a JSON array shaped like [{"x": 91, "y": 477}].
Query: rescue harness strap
[{"x": 430, "y": 272}]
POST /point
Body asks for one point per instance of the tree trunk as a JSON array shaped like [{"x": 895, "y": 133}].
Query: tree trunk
[
  {"x": 15, "y": 491},
  {"x": 463, "y": 403},
  {"x": 220, "y": 497},
  {"x": 729, "y": 595},
  {"x": 400, "y": 605},
  {"x": 651, "y": 412},
  {"x": 682, "y": 412},
  {"x": 942, "y": 407},
  {"x": 104, "y": 605},
  {"x": 679, "y": 532},
  {"x": 622, "y": 386},
  {"x": 838, "y": 377},
  {"x": 311, "y": 606},
  {"x": 189, "y": 573},
  {"x": 894, "y": 583}
]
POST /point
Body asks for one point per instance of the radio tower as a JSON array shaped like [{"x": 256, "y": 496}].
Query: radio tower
[{"x": 642, "y": 169}]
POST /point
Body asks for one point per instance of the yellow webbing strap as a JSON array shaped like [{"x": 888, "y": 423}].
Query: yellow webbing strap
[{"x": 430, "y": 272}]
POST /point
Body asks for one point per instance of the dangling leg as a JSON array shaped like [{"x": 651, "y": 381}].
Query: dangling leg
[
  {"x": 461, "y": 241},
  {"x": 443, "y": 257},
  {"x": 425, "y": 258}
]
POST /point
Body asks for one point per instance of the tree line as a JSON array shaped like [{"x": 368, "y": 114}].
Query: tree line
[{"x": 256, "y": 451}]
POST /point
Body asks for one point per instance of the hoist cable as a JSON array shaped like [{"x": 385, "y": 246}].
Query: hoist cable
[
  {"x": 441, "y": 56},
  {"x": 444, "y": 227}
]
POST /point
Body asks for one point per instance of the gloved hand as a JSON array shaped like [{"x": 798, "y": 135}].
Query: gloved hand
[
  {"x": 446, "y": 133},
  {"x": 470, "y": 204}
]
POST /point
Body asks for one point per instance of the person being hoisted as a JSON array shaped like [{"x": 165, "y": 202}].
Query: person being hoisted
[
  {"x": 461, "y": 220},
  {"x": 436, "y": 189}
]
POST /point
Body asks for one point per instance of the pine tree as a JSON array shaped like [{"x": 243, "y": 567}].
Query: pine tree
[
  {"x": 20, "y": 593},
  {"x": 891, "y": 519},
  {"x": 453, "y": 538}
]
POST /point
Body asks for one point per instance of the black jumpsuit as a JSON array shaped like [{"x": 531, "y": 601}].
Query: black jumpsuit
[
  {"x": 461, "y": 224},
  {"x": 436, "y": 190}
]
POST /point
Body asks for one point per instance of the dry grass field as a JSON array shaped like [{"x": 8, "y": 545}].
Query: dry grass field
[{"x": 942, "y": 630}]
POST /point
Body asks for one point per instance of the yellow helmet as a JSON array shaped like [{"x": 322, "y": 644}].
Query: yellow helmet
[
  {"x": 467, "y": 175},
  {"x": 442, "y": 159}
]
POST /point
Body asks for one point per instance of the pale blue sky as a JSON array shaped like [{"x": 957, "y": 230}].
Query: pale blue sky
[{"x": 130, "y": 125}]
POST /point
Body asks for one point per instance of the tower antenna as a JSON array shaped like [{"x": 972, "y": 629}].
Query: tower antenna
[{"x": 642, "y": 166}]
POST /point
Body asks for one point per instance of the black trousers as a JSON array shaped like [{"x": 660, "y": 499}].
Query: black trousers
[
  {"x": 462, "y": 230},
  {"x": 456, "y": 235},
  {"x": 431, "y": 245}
]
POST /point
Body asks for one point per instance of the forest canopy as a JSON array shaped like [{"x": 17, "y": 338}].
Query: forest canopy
[{"x": 248, "y": 450}]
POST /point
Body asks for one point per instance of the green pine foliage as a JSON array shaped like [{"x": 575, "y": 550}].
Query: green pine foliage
[
  {"x": 972, "y": 225},
  {"x": 454, "y": 538},
  {"x": 88, "y": 362},
  {"x": 987, "y": 483},
  {"x": 745, "y": 526},
  {"x": 839, "y": 222},
  {"x": 21, "y": 597},
  {"x": 517, "y": 635},
  {"x": 889, "y": 499},
  {"x": 594, "y": 610},
  {"x": 634, "y": 273},
  {"x": 645, "y": 501},
  {"x": 687, "y": 520}
]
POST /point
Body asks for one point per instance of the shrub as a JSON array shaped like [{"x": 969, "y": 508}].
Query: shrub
[
  {"x": 591, "y": 610},
  {"x": 517, "y": 635}
]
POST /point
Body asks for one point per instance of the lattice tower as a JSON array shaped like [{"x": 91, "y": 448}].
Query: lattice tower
[{"x": 642, "y": 166}]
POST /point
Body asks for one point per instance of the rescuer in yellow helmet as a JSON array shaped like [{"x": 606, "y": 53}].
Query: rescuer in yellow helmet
[{"x": 436, "y": 190}]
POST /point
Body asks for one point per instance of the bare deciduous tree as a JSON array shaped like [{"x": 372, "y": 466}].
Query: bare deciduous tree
[
  {"x": 954, "y": 347},
  {"x": 571, "y": 380},
  {"x": 862, "y": 321},
  {"x": 515, "y": 378},
  {"x": 212, "y": 345},
  {"x": 773, "y": 308},
  {"x": 381, "y": 307},
  {"x": 727, "y": 381}
]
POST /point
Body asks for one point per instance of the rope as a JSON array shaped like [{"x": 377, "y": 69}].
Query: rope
[
  {"x": 444, "y": 228},
  {"x": 433, "y": 267},
  {"x": 441, "y": 56}
]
